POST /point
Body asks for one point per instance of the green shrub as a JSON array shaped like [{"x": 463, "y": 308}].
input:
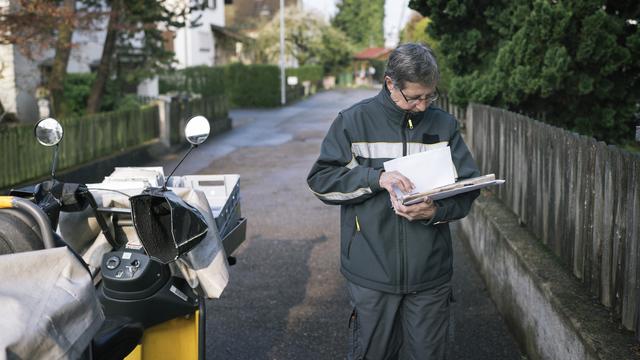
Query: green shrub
[
  {"x": 128, "y": 102},
  {"x": 252, "y": 85},
  {"x": 112, "y": 95},
  {"x": 255, "y": 85},
  {"x": 205, "y": 80},
  {"x": 312, "y": 73},
  {"x": 172, "y": 82},
  {"x": 345, "y": 79},
  {"x": 77, "y": 88},
  {"x": 572, "y": 64}
]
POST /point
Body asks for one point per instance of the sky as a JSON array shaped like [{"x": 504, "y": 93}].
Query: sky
[{"x": 397, "y": 13}]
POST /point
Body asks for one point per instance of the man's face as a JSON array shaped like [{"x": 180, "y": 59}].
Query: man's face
[{"x": 414, "y": 97}]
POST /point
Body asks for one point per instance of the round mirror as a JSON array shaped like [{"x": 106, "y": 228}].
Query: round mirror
[
  {"x": 48, "y": 132},
  {"x": 197, "y": 130}
]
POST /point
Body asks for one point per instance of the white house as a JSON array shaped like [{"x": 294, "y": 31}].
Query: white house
[
  {"x": 20, "y": 76},
  {"x": 194, "y": 44}
]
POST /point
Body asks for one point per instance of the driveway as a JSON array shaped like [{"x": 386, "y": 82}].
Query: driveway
[{"x": 286, "y": 298}]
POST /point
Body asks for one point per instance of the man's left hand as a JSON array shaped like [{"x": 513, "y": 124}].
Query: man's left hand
[{"x": 421, "y": 211}]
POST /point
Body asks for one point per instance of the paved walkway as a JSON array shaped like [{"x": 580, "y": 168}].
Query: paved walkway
[{"x": 286, "y": 298}]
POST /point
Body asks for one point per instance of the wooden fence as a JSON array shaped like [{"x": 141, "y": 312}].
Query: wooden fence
[
  {"x": 580, "y": 197},
  {"x": 215, "y": 108},
  {"x": 89, "y": 138},
  {"x": 85, "y": 139},
  {"x": 458, "y": 112}
]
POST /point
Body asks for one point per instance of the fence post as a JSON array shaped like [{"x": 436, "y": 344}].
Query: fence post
[
  {"x": 164, "y": 119},
  {"x": 468, "y": 128}
]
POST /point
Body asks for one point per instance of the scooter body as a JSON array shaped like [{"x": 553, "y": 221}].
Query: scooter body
[
  {"x": 142, "y": 289},
  {"x": 156, "y": 247}
]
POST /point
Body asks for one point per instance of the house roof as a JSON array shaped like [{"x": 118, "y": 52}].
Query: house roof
[
  {"x": 376, "y": 53},
  {"x": 226, "y": 32}
]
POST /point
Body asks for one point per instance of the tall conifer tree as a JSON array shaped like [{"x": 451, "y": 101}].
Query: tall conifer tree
[
  {"x": 570, "y": 63},
  {"x": 362, "y": 21}
]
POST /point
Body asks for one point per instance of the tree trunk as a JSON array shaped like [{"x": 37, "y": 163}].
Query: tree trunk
[
  {"x": 108, "y": 52},
  {"x": 61, "y": 60}
]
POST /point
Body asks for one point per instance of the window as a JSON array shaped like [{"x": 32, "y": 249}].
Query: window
[{"x": 204, "y": 41}]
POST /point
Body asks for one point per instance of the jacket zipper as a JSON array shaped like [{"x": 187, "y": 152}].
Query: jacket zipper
[
  {"x": 353, "y": 237},
  {"x": 406, "y": 123},
  {"x": 401, "y": 253}
]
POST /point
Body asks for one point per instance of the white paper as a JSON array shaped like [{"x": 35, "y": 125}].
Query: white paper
[
  {"x": 427, "y": 170},
  {"x": 453, "y": 192}
]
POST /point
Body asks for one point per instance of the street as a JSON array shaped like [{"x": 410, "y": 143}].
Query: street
[{"x": 286, "y": 298}]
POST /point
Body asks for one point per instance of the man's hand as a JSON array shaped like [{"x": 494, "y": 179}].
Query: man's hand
[
  {"x": 421, "y": 211},
  {"x": 390, "y": 179}
]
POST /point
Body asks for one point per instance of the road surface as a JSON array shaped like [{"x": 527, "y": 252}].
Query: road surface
[{"x": 286, "y": 298}]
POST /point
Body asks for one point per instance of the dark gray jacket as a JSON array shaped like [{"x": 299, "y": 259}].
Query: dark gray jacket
[{"x": 379, "y": 249}]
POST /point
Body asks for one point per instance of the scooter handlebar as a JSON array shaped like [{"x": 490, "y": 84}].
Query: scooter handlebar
[{"x": 12, "y": 202}]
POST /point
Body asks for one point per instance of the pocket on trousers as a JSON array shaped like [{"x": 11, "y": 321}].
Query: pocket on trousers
[{"x": 355, "y": 344}]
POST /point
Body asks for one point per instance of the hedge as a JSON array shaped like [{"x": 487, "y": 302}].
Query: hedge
[
  {"x": 203, "y": 80},
  {"x": 77, "y": 88},
  {"x": 255, "y": 85},
  {"x": 252, "y": 85},
  {"x": 312, "y": 73}
]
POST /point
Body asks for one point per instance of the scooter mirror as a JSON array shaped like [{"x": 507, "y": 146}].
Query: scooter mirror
[
  {"x": 197, "y": 130},
  {"x": 48, "y": 132}
]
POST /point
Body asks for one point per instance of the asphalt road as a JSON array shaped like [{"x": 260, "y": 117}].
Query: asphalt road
[{"x": 286, "y": 298}]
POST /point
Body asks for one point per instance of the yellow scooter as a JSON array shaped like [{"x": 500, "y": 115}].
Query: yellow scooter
[{"x": 163, "y": 247}]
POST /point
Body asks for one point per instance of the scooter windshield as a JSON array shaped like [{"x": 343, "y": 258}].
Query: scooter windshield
[{"x": 166, "y": 225}]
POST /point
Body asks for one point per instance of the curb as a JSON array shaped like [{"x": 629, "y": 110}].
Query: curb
[{"x": 550, "y": 313}]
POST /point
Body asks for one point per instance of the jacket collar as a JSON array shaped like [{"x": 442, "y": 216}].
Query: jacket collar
[{"x": 395, "y": 113}]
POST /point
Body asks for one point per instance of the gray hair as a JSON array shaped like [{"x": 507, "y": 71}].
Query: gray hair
[{"x": 413, "y": 62}]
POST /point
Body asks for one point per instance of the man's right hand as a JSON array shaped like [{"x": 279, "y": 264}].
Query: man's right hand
[{"x": 390, "y": 179}]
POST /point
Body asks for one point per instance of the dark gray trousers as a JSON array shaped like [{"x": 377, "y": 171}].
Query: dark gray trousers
[{"x": 399, "y": 326}]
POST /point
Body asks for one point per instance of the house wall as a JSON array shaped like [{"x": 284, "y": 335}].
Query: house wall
[
  {"x": 7, "y": 79},
  {"x": 8, "y": 90},
  {"x": 87, "y": 47},
  {"x": 195, "y": 45},
  {"x": 19, "y": 78},
  {"x": 149, "y": 87},
  {"x": 27, "y": 80}
]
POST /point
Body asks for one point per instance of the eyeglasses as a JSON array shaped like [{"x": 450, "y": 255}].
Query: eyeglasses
[{"x": 412, "y": 101}]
